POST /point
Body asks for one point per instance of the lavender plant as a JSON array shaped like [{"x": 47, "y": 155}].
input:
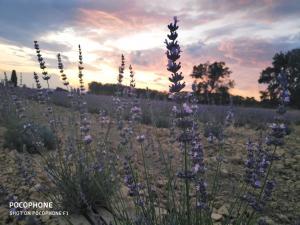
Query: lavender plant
[
  {"x": 260, "y": 162},
  {"x": 52, "y": 120},
  {"x": 180, "y": 209},
  {"x": 80, "y": 172},
  {"x": 188, "y": 138}
]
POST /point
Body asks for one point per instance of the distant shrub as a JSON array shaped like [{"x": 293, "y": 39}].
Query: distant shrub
[
  {"x": 297, "y": 122},
  {"x": 162, "y": 122},
  {"x": 213, "y": 130},
  {"x": 16, "y": 137},
  {"x": 146, "y": 117}
]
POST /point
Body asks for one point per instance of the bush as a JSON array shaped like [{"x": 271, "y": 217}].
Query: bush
[
  {"x": 82, "y": 177},
  {"x": 213, "y": 130},
  {"x": 16, "y": 137},
  {"x": 162, "y": 122}
]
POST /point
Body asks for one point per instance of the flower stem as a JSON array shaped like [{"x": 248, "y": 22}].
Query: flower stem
[{"x": 187, "y": 194}]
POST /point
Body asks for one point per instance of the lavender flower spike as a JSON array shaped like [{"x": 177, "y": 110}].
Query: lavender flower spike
[
  {"x": 61, "y": 70},
  {"x": 80, "y": 68},
  {"x": 173, "y": 54},
  {"x": 41, "y": 61},
  {"x": 121, "y": 70}
]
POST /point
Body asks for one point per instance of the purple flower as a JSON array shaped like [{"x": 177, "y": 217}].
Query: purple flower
[
  {"x": 270, "y": 185},
  {"x": 61, "y": 70},
  {"x": 202, "y": 194},
  {"x": 87, "y": 139},
  {"x": 253, "y": 202},
  {"x": 133, "y": 186},
  {"x": 41, "y": 61},
  {"x": 132, "y": 81},
  {"x": 121, "y": 70},
  {"x": 173, "y": 54},
  {"x": 256, "y": 164},
  {"x": 140, "y": 138},
  {"x": 80, "y": 68}
]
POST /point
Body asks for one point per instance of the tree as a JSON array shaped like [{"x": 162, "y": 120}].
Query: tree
[
  {"x": 14, "y": 78},
  {"x": 213, "y": 80},
  {"x": 290, "y": 62}
]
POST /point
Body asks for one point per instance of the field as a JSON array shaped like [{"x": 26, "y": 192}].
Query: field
[
  {"x": 71, "y": 157},
  {"x": 227, "y": 142}
]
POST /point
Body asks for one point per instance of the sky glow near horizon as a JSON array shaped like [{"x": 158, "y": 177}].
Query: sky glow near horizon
[{"x": 243, "y": 33}]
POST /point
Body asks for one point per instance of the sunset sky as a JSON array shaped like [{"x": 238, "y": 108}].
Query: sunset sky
[{"x": 243, "y": 33}]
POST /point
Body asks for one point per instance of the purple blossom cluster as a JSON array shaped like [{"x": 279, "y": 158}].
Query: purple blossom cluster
[
  {"x": 64, "y": 78},
  {"x": 121, "y": 70},
  {"x": 132, "y": 80},
  {"x": 41, "y": 61},
  {"x": 104, "y": 118},
  {"x": 80, "y": 68},
  {"x": 173, "y": 54},
  {"x": 129, "y": 180},
  {"x": 40, "y": 94},
  {"x": 61, "y": 70},
  {"x": 258, "y": 203},
  {"x": 256, "y": 164},
  {"x": 256, "y": 175}
]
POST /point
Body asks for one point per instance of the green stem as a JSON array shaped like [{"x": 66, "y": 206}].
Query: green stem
[
  {"x": 216, "y": 183},
  {"x": 187, "y": 194},
  {"x": 241, "y": 191},
  {"x": 148, "y": 184}
]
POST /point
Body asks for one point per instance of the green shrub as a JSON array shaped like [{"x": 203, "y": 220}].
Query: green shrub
[
  {"x": 162, "y": 122},
  {"x": 16, "y": 137},
  {"x": 146, "y": 117},
  {"x": 213, "y": 130}
]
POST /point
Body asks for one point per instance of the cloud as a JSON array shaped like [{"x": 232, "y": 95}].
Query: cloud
[
  {"x": 147, "y": 58},
  {"x": 250, "y": 52}
]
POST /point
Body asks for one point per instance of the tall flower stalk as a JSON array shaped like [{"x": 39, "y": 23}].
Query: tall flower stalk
[
  {"x": 62, "y": 73},
  {"x": 117, "y": 98},
  {"x": 80, "y": 69},
  {"x": 84, "y": 120},
  {"x": 121, "y": 70},
  {"x": 188, "y": 138},
  {"x": 173, "y": 54},
  {"x": 65, "y": 80},
  {"x": 46, "y": 76}
]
